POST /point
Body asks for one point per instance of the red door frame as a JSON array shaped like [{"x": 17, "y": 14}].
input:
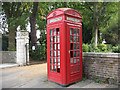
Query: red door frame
[
  {"x": 54, "y": 76},
  {"x": 69, "y": 78}
]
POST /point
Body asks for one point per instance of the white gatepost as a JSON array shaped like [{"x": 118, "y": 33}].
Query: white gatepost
[{"x": 22, "y": 47}]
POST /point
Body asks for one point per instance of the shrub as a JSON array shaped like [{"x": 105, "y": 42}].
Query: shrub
[
  {"x": 85, "y": 47},
  {"x": 91, "y": 47},
  {"x": 97, "y": 50},
  {"x": 115, "y": 49},
  {"x": 40, "y": 53},
  {"x": 102, "y": 47},
  {"x": 4, "y": 42},
  {"x": 109, "y": 47}
]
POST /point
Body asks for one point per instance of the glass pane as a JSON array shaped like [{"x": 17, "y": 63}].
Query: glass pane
[
  {"x": 74, "y": 53},
  {"x": 78, "y": 39},
  {"x": 54, "y": 46},
  {"x": 54, "y": 32},
  {"x": 51, "y": 39},
  {"x": 71, "y": 31},
  {"x": 58, "y": 69},
  {"x": 74, "y": 46},
  {"x": 74, "y": 60},
  {"x": 74, "y": 38},
  {"x": 54, "y": 53},
  {"x": 58, "y": 53},
  {"x": 51, "y": 47},
  {"x": 58, "y": 39},
  {"x": 78, "y": 54},
  {"x": 74, "y": 31},
  {"x": 54, "y": 60},
  {"x": 71, "y": 46},
  {"x": 50, "y": 31},
  {"x": 78, "y": 60},
  {"x": 58, "y": 31},
  {"x": 71, "y": 60},
  {"x": 54, "y": 37},
  {"x": 58, "y": 46},
  {"x": 77, "y": 46},
  {"x": 71, "y": 54},
  {"x": 51, "y": 60},
  {"x": 71, "y": 38},
  {"x": 77, "y": 31},
  {"x": 58, "y": 61},
  {"x": 54, "y": 68},
  {"x": 51, "y": 67},
  {"x": 51, "y": 54}
]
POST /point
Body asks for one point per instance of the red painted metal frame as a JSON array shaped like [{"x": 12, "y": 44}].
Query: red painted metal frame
[{"x": 64, "y": 77}]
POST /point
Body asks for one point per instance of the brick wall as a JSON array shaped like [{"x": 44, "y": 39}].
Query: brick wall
[
  {"x": 103, "y": 66},
  {"x": 8, "y": 56}
]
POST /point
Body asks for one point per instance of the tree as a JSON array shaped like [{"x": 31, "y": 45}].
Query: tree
[
  {"x": 110, "y": 31},
  {"x": 33, "y": 23},
  {"x": 96, "y": 15},
  {"x": 10, "y": 12},
  {"x": 15, "y": 14}
]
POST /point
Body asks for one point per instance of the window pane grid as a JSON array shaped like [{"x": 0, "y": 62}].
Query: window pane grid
[
  {"x": 74, "y": 49},
  {"x": 55, "y": 50}
]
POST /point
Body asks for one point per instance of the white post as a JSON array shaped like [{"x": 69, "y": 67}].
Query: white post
[{"x": 22, "y": 47}]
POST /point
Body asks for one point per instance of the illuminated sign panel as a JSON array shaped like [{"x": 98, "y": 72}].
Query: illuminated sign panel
[
  {"x": 73, "y": 19},
  {"x": 55, "y": 19}
]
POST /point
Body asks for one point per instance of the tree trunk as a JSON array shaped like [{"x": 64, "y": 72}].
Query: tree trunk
[
  {"x": 96, "y": 36},
  {"x": 96, "y": 22},
  {"x": 33, "y": 23},
  {"x": 11, "y": 38}
]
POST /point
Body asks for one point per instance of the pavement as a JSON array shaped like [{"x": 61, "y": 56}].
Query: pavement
[
  {"x": 35, "y": 76},
  {"x": 7, "y": 65}
]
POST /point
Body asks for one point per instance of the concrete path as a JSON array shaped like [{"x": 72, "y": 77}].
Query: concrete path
[
  {"x": 34, "y": 76},
  {"x": 7, "y": 65}
]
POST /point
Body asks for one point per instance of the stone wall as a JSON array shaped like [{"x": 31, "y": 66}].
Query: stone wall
[
  {"x": 8, "y": 56},
  {"x": 0, "y": 42},
  {"x": 101, "y": 66}
]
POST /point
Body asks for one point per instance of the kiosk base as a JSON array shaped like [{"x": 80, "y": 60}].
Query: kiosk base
[{"x": 66, "y": 84}]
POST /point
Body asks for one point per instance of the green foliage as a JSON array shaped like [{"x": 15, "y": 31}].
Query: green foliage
[
  {"x": 100, "y": 48},
  {"x": 116, "y": 49},
  {"x": 109, "y": 47},
  {"x": 85, "y": 47},
  {"x": 84, "y": 79},
  {"x": 103, "y": 81},
  {"x": 39, "y": 53},
  {"x": 43, "y": 38},
  {"x": 12, "y": 48},
  {"x": 18, "y": 13},
  {"x": 97, "y": 80},
  {"x": 4, "y": 43},
  {"x": 97, "y": 50}
]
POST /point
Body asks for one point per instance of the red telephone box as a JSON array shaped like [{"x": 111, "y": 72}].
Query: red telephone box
[{"x": 64, "y": 46}]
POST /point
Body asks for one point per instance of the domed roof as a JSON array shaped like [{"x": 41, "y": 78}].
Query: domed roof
[{"x": 67, "y": 11}]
